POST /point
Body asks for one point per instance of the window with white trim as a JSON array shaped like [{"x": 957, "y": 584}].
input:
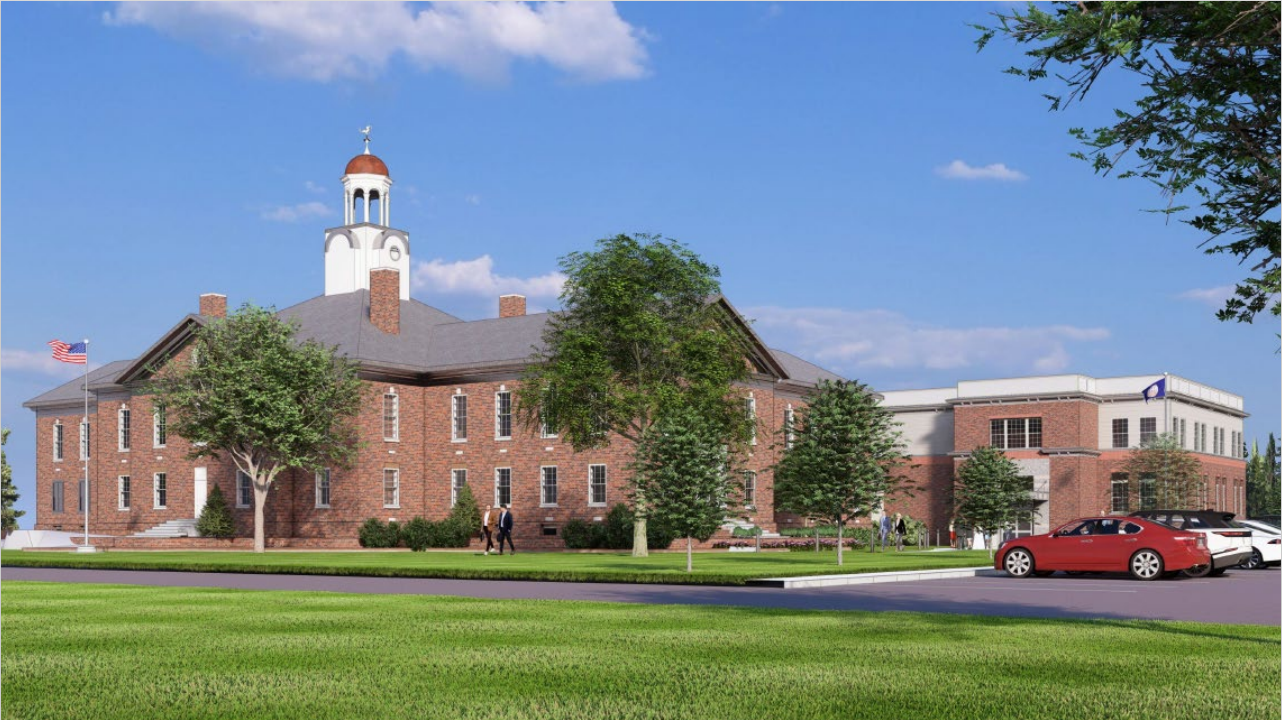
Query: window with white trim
[
  {"x": 1121, "y": 433},
  {"x": 503, "y": 415},
  {"x": 1148, "y": 430},
  {"x": 458, "y": 478},
  {"x": 1184, "y": 443},
  {"x": 547, "y": 486},
  {"x": 391, "y": 488},
  {"x": 159, "y": 427},
  {"x": 458, "y": 418},
  {"x": 1015, "y": 433},
  {"x": 123, "y": 417},
  {"x": 391, "y": 416},
  {"x": 789, "y": 427},
  {"x": 84, "y": 439},
  {"x": 244, "y": 490},
  {"x": 750, "y": 406},
  {"x": 322, "y": 488},
  {"x": 1121, "y": 493},
  {"x": 122, "y": 492},
  {"x": 159, "y": 491},
  {"x": 596, "y": 485},
  {"x": 502, "y": 487},
  {"x": 57, "y": 441},
  {"x": 1204, "y": 437},
  {"x": 749, "y": 488}
]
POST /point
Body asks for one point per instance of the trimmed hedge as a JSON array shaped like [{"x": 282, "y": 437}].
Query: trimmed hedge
[{"x": 615, "y": 533}]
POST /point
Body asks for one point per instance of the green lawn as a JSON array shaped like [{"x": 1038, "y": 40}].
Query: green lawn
[
  {"x": 710, "y": 568},
  {"x": 107, "y": 651}
]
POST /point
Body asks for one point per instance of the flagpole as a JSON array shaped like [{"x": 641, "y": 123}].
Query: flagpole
[{"x": 86, "y": 547}]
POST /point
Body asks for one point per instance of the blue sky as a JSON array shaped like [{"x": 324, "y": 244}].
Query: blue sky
[{"x": 880, "y": 198}]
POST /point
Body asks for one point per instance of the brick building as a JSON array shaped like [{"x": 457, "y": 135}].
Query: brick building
[
  {"x": 1070, "y": 434},
  {"x": 441, "y": 415}
]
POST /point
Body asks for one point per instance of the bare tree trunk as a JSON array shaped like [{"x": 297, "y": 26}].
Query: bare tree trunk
[
  {"x": 260, "y": 501},
  {"x": 816, "y": 537},
  {"x": 640, "y": 546},
  {"x": 689, "y": 554},
  {"x": 840, "y": 526}
]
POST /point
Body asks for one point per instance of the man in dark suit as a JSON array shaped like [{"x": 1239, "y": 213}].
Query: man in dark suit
[{"x": 505, "y": 529}]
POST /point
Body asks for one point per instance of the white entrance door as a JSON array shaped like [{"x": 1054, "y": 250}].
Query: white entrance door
[{"x": 200, "y": 490}]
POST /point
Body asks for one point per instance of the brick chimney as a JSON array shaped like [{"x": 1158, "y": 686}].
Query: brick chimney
[
  {"x": 511, "y": 305},
  {"x": 213, "y": 305},
  {"x": 385, "y": 300}
]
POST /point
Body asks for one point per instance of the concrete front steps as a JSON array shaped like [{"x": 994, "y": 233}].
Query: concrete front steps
[{"x": 185, "y": 527}]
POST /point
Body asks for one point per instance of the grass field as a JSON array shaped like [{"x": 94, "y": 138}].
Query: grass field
[
  {"x": 710, "y": 568},
  {"x": 106, "y": 651}
]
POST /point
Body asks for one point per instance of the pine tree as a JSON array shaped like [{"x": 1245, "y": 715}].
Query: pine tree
[
  {"x": 10, "y": 493},
  {"x": 465, "y": 512},
  {"x": 215, "y": 519}
]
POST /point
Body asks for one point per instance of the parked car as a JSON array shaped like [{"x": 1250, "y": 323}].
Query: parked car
[
  {"x": 1229, "y": 543},
  {"x": 1266, "y": 544},
  {"x": 1146, "y": 549}
]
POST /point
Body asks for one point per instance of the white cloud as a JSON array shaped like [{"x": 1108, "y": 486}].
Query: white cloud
[
  {"x": 958, "y": 170},
  {"x": 477, "y": 277},
  {"x": 314, "y": 188},
  {"x": 1215, "y": 297},
  {"x": 294, "y": 213},
  {"x": 473, "y": 199},
  {"x": 850, "y": 341},
  {"x": 322, "y": 41},
  {"x": 39, "y": 362}
]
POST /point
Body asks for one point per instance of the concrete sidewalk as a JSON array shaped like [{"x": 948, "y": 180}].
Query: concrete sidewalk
[{"x": 817, "y": 581}]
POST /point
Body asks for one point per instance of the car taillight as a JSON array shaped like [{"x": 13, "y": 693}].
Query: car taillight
[
  {"x": 1198, "y": 540},
  {"x": 1276, "y": 541},
  {"x": 1233, "y": 533}
]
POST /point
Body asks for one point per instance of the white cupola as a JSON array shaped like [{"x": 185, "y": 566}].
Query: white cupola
[{"x": 366, "y": 241}]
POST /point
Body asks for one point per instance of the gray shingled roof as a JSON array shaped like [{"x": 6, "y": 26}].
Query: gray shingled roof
[
  {"x": 430, "y": 341},
  {"x": 74, "y": 390}
]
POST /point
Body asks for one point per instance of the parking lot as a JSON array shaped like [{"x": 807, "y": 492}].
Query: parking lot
[{"x": 1251, "y": 597}]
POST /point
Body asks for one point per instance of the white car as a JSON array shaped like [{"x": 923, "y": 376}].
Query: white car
[
  {"x": 1266, "y": 543},
  {"x": 1229, "y": 543}
]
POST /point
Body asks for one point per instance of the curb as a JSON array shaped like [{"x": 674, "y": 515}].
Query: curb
[{"x": 815, "y": 581}]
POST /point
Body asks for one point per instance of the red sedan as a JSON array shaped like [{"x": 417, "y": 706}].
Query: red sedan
[{"x": 1145, "y": 549}]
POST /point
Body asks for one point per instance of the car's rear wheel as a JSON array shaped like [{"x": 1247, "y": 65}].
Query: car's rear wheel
[
  {"x": 1256, "y": 561},
  {"x": 1197, "y": 571},
  {"x": 1018, "y": 563},
  {"x": 1146, "y": 565}
]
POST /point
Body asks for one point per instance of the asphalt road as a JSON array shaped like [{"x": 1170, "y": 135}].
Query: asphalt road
[{"x": 1249, "y": 597}]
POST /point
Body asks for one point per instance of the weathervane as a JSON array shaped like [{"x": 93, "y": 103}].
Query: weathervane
[{"x": 365, "y": 131}]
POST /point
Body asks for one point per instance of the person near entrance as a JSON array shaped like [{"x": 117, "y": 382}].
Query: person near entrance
[
  {"x": 505, "y": 529},
  {"x": 901, "y": 530}
]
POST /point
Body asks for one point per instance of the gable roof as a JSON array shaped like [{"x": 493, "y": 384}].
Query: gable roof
[{"x": 431, "y": 343}]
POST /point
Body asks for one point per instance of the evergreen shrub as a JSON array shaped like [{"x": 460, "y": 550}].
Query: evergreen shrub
[{"x": 215, "y": 519}]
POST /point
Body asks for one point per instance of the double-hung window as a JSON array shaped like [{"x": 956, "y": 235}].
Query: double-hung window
[
  {"x": 84, "y": 439},
  {"x": 244, "y": 490},
  {"x": 596, "y": 485},
  {"x": 59, "y": 499},
  {"x": 159, "y": 491},
  {"x": 503, "y": 486},
  {"x": 122, "y": 492},
  {"x": 458, "y": 478},
  {"x": 547, "y": 486},
  {"x": 391, "y": 488},
  {"x": 1121, "y": 433},
  {"x": 391, "y": 416},
  {"x": 122, "y": 440},
  {"x": 322, "y": 488},
  {"x": 1121, "y": 493},
  {"x": 750, "y": 488},
  {"x": 1148, "y": 430},
  {"x": 458, "y": 418},
  {"x": 159, "y": 429},
  {"x": 750, "y": 406},
  {"x": 789, "y": 427},
  {"x": 57, "y": 441},
  {"x": 503, "y": 415}
]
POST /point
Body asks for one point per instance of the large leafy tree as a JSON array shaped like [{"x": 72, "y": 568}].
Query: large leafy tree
[
  {"x": 683, "y": 468},
  {"x": 10, "y": 493},
  {"x": 636, "y": 335},
  {"x": 988, "y": 493},
  {"x": 845, "y": 454},
  {"x": 1162, "y": 474},
  {"x": 1206, "y": 132},
  {"x": 252, "y": 390},
  {"x": 1263, "y": 489}
]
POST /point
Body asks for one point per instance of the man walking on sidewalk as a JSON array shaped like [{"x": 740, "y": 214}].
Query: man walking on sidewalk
[{"x": 505, "y": 529}]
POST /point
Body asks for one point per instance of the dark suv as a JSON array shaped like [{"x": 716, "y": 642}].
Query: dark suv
[{"x": 1229, "y": 543}]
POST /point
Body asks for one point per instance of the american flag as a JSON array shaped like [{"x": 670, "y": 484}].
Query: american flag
[{"x": 68, "y": 353}]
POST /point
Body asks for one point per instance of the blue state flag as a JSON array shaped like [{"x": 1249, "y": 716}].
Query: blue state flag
[{"x": 1155, "y": 391}]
